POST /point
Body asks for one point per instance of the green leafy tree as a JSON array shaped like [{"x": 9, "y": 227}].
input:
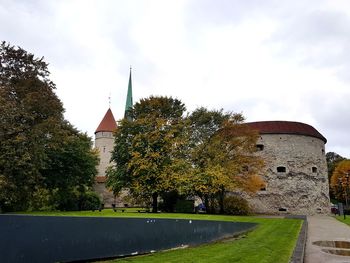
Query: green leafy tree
[
  {"x": 223, "y": 156},
  {"x": 150, "y": 151},
  {"x": 205, "y": 123},
  {"x": 40, "y": 152},
  {"x": 29, "y": 113},
  {"x": 70, "y": 167}
]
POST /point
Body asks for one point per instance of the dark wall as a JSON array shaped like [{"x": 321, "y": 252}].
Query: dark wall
[{"x": 52, "y": 239}]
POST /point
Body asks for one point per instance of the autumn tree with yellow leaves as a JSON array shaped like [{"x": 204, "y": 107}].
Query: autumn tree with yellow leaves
[
  {"x": 150, "y": 151},
  {"x": 207, "y": 153},
  {"x": 223, "y": 156},
  {"x": 340, "y": 181}
]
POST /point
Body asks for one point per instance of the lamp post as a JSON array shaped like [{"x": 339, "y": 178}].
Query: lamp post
[
  {"x": 344, "y": 185},
  {"x": 346, "y": 189},
  {"x": 342, "y": 189}
]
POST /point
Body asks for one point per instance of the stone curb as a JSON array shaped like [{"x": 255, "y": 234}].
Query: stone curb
[{"x": 299, "y": 250}]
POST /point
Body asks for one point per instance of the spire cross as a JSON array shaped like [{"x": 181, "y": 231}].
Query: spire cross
[{"x": 109, "y": 100}]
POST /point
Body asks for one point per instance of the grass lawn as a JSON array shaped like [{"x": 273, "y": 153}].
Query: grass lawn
[
  {"x": 273, "y": 241},
  {"x": 346, "y": 221}
]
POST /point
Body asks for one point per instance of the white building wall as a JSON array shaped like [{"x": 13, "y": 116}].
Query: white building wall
[{"x": 104, "y": 143}]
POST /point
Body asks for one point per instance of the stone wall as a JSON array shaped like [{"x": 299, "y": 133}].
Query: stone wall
[
  {"x": 295, "y": 175},
  {"x": 106, "y": 196}
]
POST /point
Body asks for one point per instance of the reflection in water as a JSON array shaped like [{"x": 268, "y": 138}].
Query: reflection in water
[
  {"x": 335, "y": 244},
  {"x": 337, "y": 252}
]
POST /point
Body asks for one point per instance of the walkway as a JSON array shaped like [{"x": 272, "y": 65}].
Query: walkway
[{"x": 327, "y": 228}]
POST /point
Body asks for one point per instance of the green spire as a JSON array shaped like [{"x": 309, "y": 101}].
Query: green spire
[{"x": 129, "y": 103}]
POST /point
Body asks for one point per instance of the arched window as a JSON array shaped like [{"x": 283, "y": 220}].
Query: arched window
[{"x": 314, "y": 169}]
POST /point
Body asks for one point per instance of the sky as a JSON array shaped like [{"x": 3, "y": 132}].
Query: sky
[{"x": 269, "y": 60}]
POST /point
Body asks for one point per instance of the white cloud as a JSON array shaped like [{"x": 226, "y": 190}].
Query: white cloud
[{"x": 269, "y": 60}]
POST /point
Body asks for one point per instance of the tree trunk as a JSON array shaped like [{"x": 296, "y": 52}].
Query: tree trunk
[
  {"x": 221, "y": 200},
  {"x": 154, "y": 202},
  {"x": 206, "y": 203}
]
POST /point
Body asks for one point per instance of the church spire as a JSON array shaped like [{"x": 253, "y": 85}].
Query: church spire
[{"x": 129, "y": 102}]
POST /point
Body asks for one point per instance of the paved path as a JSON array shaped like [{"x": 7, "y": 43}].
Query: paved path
[{"x": 322, "y": 227}]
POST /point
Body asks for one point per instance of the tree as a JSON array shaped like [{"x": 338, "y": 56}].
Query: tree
[
  {"x": 223, "y": 156},
  {"x": 205, "y": 123},
  {"x": 340, "y": 181},
  {"x": 150, "y": 149},
  {"x": 70, "y": 168},
  {"x": 332, "y": 161},
  {"x": 29, "y": 113},
  {"x": 39, "y": 151}
]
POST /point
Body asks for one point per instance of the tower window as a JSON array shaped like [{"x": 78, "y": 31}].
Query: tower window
[
  {"x": 104, "y": 149},
  {"x": 260, "y": 147},
  {"x": 281, "y": 169},
  {"x": 314, "y": 169}
]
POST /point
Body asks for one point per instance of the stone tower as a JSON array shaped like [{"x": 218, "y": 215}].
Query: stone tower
[
  {"x": 296, "y": 169},
  {"x": 104, "y": 143}
]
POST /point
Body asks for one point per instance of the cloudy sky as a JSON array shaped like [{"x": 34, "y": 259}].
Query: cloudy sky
[{"x": 270, "y": 60}]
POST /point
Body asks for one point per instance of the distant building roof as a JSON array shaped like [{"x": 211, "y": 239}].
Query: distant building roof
[
  {"x": 286, "y": 127},
  {"x": 108, "y": 123}
]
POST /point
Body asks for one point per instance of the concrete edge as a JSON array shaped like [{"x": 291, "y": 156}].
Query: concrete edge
[{"x": 299, "y": 250}]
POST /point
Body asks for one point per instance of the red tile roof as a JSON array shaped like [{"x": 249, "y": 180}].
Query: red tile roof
[
  {"x": 286, "y": 127},
  {"x": 108, "y": 123}
]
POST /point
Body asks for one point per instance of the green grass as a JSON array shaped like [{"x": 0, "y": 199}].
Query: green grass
[
  {"x": 273, "y": 241},
  {"x": 346, "y": 221}
]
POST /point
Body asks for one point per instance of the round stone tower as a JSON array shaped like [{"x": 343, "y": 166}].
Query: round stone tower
[
  {"x": 296, "y": 169},
  {"x": 104, "y": 143}
]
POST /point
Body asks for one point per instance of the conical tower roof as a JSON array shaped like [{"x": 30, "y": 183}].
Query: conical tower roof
[{"x": 108, "y": 123}]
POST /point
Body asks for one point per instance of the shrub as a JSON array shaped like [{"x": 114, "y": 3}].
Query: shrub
[
  {"x": 169, "y": 201},
  {"x": 236, "y": 205},
  {"x": 40, "y": 201},
  {"x": 73, "y": 200},
  {"x": 214, "y": 207},
  {"x": 67, "y": 200},
  {"x": 89, "y": 201},
  {"x": 184, "y": 206}
]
